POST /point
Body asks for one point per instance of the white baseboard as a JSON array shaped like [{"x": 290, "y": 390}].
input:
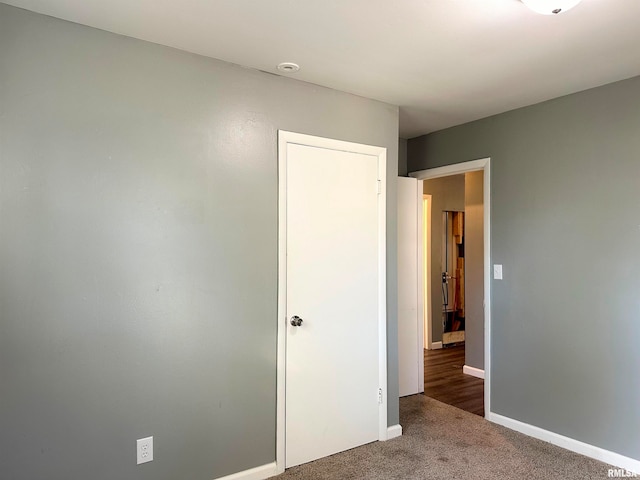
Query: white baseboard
[
  {"x": 258, "y": 473},
  {"x": 394, "y": 431},
  {"x": 615, "y": 459},
  {"x": 436, "y": 345},
  {"x": 473, "y": 371}
]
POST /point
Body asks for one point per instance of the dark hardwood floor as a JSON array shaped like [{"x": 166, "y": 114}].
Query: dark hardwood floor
[{"x": 444, "y": 380}]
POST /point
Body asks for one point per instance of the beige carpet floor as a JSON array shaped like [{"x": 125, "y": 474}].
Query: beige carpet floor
[{"x": 443, "y": 442}]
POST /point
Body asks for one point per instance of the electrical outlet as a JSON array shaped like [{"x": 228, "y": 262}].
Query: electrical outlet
[{"x": 144, "y": 448}]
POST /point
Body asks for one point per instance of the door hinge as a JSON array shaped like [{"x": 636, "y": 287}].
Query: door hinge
[
  {"x": 380, "y": 396},
  {"x": 379, "y": 187}
]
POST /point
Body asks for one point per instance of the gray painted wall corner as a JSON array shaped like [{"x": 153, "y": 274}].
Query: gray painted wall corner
[
  {"x": 402, "y": 157},
  {"x": 564, "y": 196},
  {"x": 138, "y": 238}
]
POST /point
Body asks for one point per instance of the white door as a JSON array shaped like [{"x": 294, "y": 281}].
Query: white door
[
  {"x": 333, "y": 285},
  {"x": 410, "y": 288}
]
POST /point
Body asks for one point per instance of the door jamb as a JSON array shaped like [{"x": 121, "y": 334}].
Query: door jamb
[
  {"x": 422, "y": 299},
  {"x": 284, "y": 138},
  {"x": 426, "y": 270},
  {"x": 465, "y": 167}
]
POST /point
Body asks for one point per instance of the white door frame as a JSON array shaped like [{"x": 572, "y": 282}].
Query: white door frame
[
  {"x": 285, "y": 138},
  {"x": 455, "y": 169},
  {"x": 422, "y": 300},
  {"x": 426, "y": 270}
]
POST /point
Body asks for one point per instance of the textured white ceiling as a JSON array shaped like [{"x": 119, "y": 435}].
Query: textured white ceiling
[{"x": 444, "y": 62}]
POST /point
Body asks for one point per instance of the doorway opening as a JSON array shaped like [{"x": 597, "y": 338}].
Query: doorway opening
[
  {"x": 455, "y": 303},
  {"x": 457, "y": 326}
]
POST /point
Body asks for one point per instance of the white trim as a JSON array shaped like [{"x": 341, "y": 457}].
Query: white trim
[
  {"x": 394, "y": 431},
  {"x": 473, "y": 371},
  {"x": 436, "y": 345},
  {"x": 426, "y": 233},
  {"x": 285, "y": 138},
  {"x": 257, "y": 473},
  {"x": 282, "y": 307},
  {"x": 486, "y": 192},
  {"x": 382, "y": 281},
  {"x": 612, "y": 458},
  {"x": 421, "y": 287},
  {"x": 464, "y": 167},
  {"x": 448, "y": 170}
]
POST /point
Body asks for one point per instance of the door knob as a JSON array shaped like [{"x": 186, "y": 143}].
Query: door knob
[{"x": 296, "y": 321}]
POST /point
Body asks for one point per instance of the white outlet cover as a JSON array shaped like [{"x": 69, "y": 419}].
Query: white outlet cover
[
  {"x": 144, "y": 449},
  {"x": 497, "y": 272}
]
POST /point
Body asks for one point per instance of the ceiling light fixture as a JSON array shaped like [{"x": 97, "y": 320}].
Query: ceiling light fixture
[
  {"x": 550, "y": 7},
  {"x": 288, "y": 67}
]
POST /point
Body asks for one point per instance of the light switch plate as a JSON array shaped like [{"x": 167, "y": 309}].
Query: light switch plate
[
  {"x": 497, "y": 272},
  {"x": 144, "y": 449}
]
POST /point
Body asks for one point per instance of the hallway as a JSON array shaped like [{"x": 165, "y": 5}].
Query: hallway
[{"x": 444, "y": 380}]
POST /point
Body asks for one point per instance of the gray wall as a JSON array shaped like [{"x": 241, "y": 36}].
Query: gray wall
[
  {"x": 474, "y": 270},
  {"x": 402, "y": 157},
  {"x": 565, "y": 216},
  {"x": 138, "y": 244},
  {"x": 447, "y": 194}
]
